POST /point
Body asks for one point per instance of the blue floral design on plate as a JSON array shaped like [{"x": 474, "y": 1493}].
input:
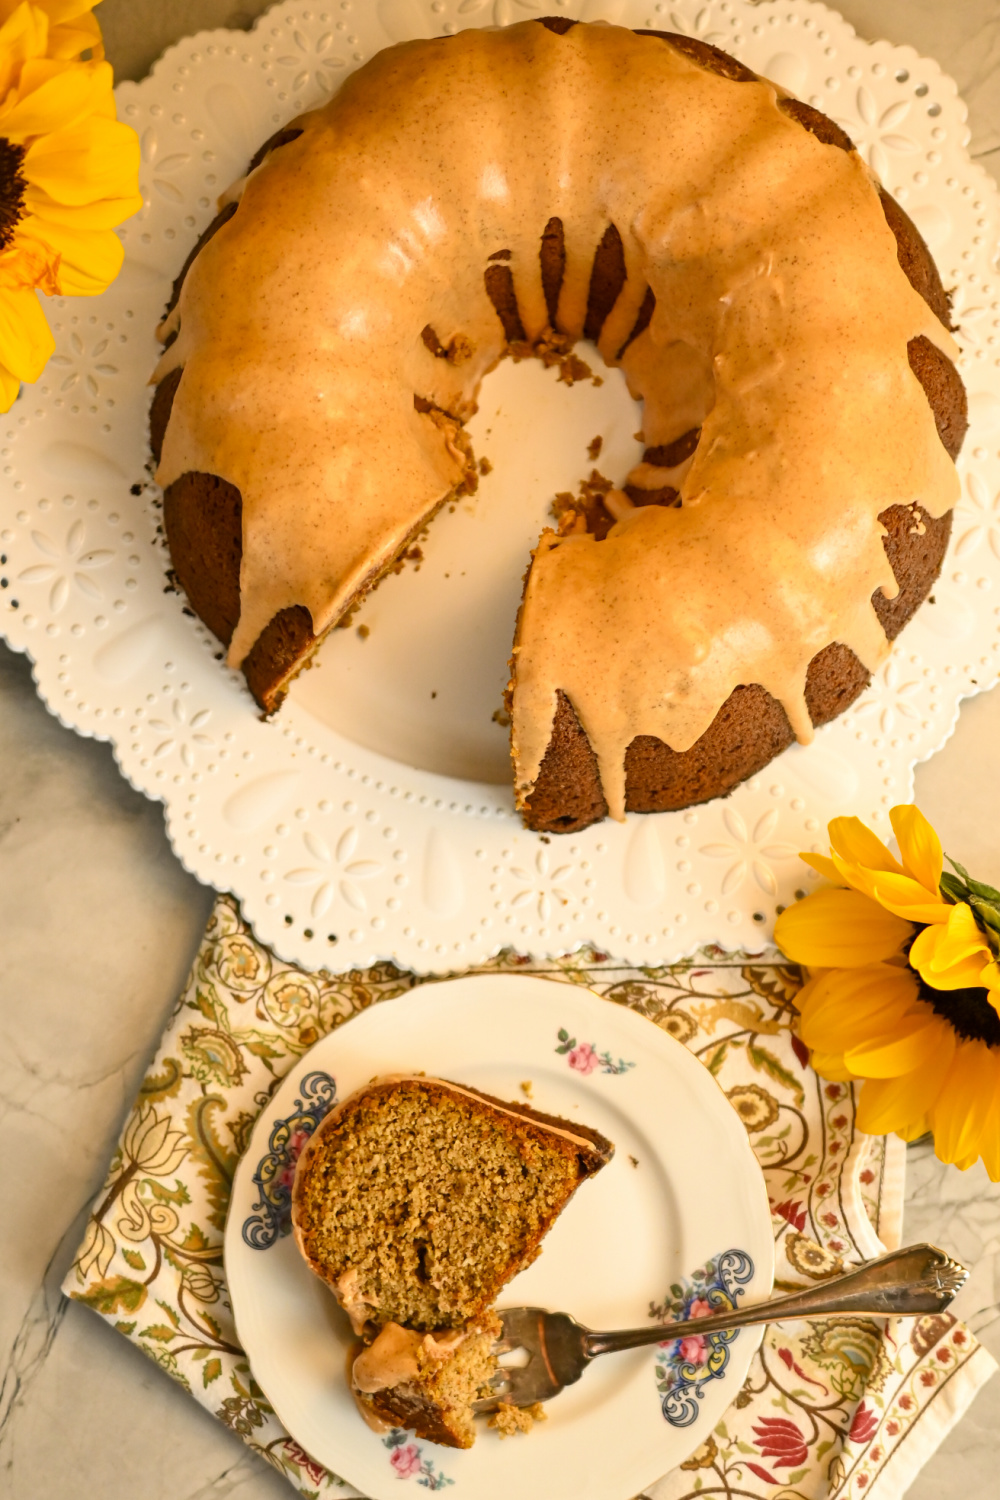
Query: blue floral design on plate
[
  {"x": 685, "y": 1366},
  {"x": 409, "y": 1462},
  {"x": 272, "y": 1213}
]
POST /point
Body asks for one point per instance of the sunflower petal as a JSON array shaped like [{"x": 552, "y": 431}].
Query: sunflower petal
[
  {"x": 901, "y": 1104},
  {"x": 851, "y": 875},
  {"x": 839, "y": 929},
  {"x": 25, "y": 340},
  {"x": 908, "y": 898},
  {"x": 989, "y": 1141},
  {"x": 959, "y": 1115},
  {"x": 69, "y": 41},
  {"x": 919, "y": 845},
  {"x": 905, "y": 1047},
  {"x": 90, "y": 259},
  {"x": 824, "y": 866},
  {"x": 104, "y": 214},
  {"x": 857, "y": 845},
  {"x": 853, "y": 1004},
  {"x": 10, "y": 388},
  {"x": 93, "y": 159},
  {"x": 58, "y": 11},
  {"x": 812, "y": 987},
  {"x": 990, "y": 978},
  {"x": 831, "y": 1065},
  {"x": 54, "y": 96},
  {"x": 940, "y": 946},
  {"x": 23, "y": 35},
  {"x": 961, "y": 976},
  {"x": 916, "y": 1128}
]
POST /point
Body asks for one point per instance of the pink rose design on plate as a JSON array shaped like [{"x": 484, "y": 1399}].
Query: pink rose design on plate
[
  {"x": 293, "y": 1150},
  {"x": 692, "y": 1350},
  {"x": 688, "y": 1360},
  {"x": 406, "y": 1461},
  {"x": 583, "y": 1058}
]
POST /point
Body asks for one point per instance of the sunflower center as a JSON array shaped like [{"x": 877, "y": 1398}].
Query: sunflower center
[
  {"x": 968, "y": 1012},
  {"x": 12, "y": 188}
]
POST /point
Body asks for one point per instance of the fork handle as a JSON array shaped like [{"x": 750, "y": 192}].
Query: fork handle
[{"x": 917, "y": 1279}]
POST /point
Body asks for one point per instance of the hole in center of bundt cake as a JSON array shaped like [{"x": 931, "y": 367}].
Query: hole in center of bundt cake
[{"x": 420, "y": 672}]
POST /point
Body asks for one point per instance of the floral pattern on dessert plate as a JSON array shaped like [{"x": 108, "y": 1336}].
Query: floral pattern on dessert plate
[{"x": 682, "y": 1206}]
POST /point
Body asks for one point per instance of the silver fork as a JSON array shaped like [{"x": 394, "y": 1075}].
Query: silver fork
[{"x": 918, "y": 1279}]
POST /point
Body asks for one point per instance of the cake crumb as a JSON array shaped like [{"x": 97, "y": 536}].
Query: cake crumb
[
  {"x": 434, "y": 694},
  {"x": 364, "y": 631},
  {"x": 554, "y": 348},
  {"x": 633, "y": 1159},
  {"x": 501, "y": 717},
  {"x": 459, "y": 350},
  {"x": 527, "y": 1088},
  {"x": 572, "y": 368},
  {"x": 412, "y": 554},
  {"x": 485, "y": 467},
  {"x": 594, "y": 448},
  {"x": 587, "y": 511},
  {"x": 509, "y": 1420}
]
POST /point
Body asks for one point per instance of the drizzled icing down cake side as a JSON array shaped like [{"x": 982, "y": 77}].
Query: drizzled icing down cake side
[{"x": 779, "y": 317}]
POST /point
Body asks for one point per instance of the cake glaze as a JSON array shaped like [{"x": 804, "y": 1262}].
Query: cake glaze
[{"x": 759, "y": 297}]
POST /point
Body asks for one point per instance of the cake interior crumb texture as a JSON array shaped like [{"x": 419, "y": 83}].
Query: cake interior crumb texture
[
  {"x": 510, "y": 1420},
  {"x": 433, "y": 1208},
  {"x": 417, "y": 1200}
]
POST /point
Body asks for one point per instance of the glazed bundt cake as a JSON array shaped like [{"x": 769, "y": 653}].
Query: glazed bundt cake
[
  {"x": 775, "y": 311},
  {"x": 417, "y": 1200}
]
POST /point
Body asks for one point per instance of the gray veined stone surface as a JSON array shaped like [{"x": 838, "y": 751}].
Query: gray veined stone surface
[{"x": 98, "y": 923}]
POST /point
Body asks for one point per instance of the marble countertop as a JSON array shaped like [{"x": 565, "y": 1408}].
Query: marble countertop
[{"x": 98, "y": 925}]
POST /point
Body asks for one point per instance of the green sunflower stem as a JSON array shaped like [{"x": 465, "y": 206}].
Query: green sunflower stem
[{"x": 983, "y": 901}]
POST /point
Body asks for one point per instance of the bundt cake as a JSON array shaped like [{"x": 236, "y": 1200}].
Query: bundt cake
[
  {"x": 774, "y": 309},
  {"x": 417, "y": 1200}
]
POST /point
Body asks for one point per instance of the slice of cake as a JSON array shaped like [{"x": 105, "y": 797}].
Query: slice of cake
[
  {"x": 427, "y": 1381},
  {"x": 417, "y": 1200}
]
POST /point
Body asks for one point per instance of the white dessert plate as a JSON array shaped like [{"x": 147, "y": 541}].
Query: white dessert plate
[
  {"x": 373, "y": 817},
  {"x": 681, "y": 1212}
]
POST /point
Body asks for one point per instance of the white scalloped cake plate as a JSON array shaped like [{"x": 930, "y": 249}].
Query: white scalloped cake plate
[
  {"x": 341, "y": 845},
  {"x": 682, "y": 1190}
]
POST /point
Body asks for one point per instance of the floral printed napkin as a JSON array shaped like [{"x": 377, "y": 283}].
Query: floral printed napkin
[{"x": 829, "y": 1410}]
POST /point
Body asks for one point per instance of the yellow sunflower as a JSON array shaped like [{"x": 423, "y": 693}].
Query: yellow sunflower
[
  {"x": 903, "y": 991},
  {"x": 68, "y": 175},
  {"x": 72, "y": 28}
]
